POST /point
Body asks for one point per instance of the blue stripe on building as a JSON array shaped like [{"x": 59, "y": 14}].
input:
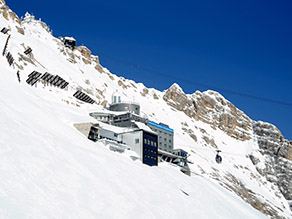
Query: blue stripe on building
[{"x": 160, "y": 126}]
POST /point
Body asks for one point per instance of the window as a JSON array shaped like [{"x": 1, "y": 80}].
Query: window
[
  {"x": 145, "y": 141},
  {"x": 155, "y": 144},
  {"x": 137, "y": 141}
]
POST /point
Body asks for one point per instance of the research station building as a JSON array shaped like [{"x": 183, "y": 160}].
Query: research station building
[{"x": 165, "y": 135}]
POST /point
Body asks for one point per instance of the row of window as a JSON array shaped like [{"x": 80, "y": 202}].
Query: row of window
[
  {"x": 150, "y": 151},
  {"x": 103, "y": 117},
  {"x": 165, "y": 139},
  {"x": 160, "y": 132},
  {"x": 152, "y": 158},
  {"x": 165, "y": 145},
  {"x": 149, "y": 142}
]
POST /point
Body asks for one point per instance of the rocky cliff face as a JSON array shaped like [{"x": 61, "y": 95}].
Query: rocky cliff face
[
  {"x": 272, "y": 161},
  {"x": 212, "y": 108},
  {"x": 7, "y": 13},
  {"x": 278, "y": 153}
]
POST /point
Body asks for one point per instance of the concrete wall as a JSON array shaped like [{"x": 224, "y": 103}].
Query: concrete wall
[
  {"x": 130, "y": 139},
  {"x": 84, "y": 128},
  {"x": 104, "y": 133}
]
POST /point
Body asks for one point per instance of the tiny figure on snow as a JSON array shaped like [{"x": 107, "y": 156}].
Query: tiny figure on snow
[{"x": 18, "y": 76}]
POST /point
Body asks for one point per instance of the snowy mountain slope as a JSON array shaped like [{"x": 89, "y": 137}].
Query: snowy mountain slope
[{"x": 51, "y": 170}]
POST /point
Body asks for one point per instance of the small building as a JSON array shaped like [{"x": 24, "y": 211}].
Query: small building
[
  {"x": 93, "y": 134},
  {"x": 180, "y": 152},
  {"x": 108, "y": 134},
  {"x": 165, "y": 135},
  {"x": 144, "y": 143},
  {"x": 123, "y": 106},
  {"x": 121, "y": 113},
  {"x": 69, "y": 42},
  {"x": 4, "y": 30}
]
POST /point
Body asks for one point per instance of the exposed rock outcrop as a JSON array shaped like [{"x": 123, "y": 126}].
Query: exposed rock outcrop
[
  {"x": 276, "y": 164},
  {"x": 278, "y": 153},
  {"x": 212, "y": 108},
  {"x": 88, "y": 58},
  {"x": 251, "y": 197},
  {"x": 7, "y": 13}
]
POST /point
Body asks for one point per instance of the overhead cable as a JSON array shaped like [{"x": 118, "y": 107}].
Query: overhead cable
[{"x": 232, "y": 92}]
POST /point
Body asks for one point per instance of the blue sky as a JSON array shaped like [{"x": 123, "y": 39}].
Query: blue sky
[{"x": 242, "y": 46}]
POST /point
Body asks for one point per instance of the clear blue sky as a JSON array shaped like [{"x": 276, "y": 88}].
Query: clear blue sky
[{"x": 243, "y": 46}]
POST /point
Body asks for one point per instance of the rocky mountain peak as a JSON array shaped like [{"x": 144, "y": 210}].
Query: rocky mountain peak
[
  {"x": 7, "y": 13},
  {"x": 176, "y": 88},
  {"x": 30, "y": 19},
  {"x": 212, "y": 108}
]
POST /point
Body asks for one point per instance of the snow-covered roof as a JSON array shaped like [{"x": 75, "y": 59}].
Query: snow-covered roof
[
  {"x": 144, "y": 127},
  {"x": 69, "y": 38},
  {"x": 113, "y": 128},
  {"x": 105, "y": 112}
]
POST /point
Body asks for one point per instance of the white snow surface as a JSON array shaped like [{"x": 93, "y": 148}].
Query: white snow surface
[{"x": 50, "y": 170}]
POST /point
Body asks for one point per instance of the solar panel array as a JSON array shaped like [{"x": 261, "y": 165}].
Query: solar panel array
[
  {"x": 29, "y": 50},
  {"x": 5, "y": 47},
  {"x": 55, "y": 80},
  {"x": 9, "y": 58},
  {"x": 4, "y": 30},
  {"x": 83, "y": 97},
  {"x": 33, "y": 78}
]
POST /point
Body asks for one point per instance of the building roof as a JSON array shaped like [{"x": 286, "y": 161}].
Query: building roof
[
  {"x": 113, "y": 128},
  {"x": 144, "y": 127},
  {"x": 179, "y": 149},
  {"x": 126, "y": 102},
  {"x": 69, "y": 38},
  {"x": 108, "y": 112},
  {"x": 160, "y": 126}
]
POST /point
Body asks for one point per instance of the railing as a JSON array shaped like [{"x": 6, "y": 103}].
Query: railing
[{"x": 126, "y": 102}]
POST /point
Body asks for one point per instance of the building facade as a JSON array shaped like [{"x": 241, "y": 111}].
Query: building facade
[
  {"x": 118, "y": 105},
  {"x": 126, "y": 107},
  {"x": 165, "y": 135},
  {"x": 144, "y": 143}
]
